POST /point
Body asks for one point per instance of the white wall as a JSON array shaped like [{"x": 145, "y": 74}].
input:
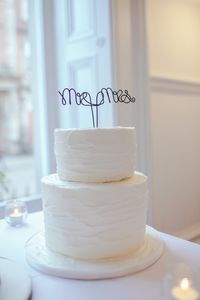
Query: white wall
[
  {"x": 174, "y": 38},
  {"x": 174, "y": 61}
]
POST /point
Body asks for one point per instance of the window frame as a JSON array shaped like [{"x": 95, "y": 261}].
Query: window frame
[{"x": 44, "y": 84}]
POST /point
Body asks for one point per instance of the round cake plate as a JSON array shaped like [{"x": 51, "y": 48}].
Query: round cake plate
[
  {"x": 59, "y": 265},
  {"x": 14, "y": 281}
]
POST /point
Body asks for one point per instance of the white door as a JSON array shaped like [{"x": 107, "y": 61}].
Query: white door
[{"x": 84, "y": 57}]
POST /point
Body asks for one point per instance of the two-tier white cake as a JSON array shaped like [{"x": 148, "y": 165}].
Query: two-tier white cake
[{"x": 95, "y": 207}]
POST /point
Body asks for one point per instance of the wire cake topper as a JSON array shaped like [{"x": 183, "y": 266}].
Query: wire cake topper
[{"x": 71, "y": 96}]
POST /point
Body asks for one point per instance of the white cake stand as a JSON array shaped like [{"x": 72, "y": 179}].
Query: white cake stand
[
  {"x": 56, "y": 264},
  {"x": 14, "y": 281}
]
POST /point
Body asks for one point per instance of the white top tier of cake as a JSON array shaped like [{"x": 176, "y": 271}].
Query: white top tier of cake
[{"x": 95, "y": 155}]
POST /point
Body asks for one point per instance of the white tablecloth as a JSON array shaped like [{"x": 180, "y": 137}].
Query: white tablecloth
[{"x": 147, "y": 284}]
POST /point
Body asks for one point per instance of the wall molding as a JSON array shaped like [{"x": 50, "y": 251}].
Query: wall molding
[{"x": 172, "y": 85}]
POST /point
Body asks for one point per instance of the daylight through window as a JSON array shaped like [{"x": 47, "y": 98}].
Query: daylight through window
[{"x": 17, "y": 174}]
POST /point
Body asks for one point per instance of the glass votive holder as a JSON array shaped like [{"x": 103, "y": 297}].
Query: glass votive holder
[
  {"x": 16, "y": 213},
  {"x": 181, "y": 283}
]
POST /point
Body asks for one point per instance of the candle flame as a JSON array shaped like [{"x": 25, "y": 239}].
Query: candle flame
[
  {"x": 16, "y": 211},
  {"x": 184, "y": 284}
]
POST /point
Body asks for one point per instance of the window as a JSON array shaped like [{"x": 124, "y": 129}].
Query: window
[
  {"x": 17, "y": 172},
  {"x": 36, "y": 64},
  {"x": 46, "y": 46}
]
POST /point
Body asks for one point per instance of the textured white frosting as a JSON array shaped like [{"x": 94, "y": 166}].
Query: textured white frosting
[
  {"x": 52, "y": 263},
  {"x": 94, "y": 220},
  {"x": 95, "y": 155}
]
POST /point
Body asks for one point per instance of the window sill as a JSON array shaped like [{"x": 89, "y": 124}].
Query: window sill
[{"x": 34, "y": 203}]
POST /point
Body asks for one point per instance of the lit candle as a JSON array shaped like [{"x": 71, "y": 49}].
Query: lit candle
[
  {"x": 185, "y": 291},
  {"x": 15, "y": 213},
  {"x": 16, "y": 217}
]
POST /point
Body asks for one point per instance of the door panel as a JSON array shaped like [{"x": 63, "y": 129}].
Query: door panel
[{"x": 84, "y": 56}]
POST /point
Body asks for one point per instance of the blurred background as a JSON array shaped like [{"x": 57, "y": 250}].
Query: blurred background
[
  {"x": 149, "y": 47},
  {"x": 16, "y": 108}
]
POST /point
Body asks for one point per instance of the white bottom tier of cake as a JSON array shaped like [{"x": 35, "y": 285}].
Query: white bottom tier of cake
[
  {"x": 96, "y": 220},
  {"x": 44, "y": 260}
]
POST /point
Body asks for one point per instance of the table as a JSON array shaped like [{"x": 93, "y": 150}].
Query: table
[{"x": 147, "y": 284}]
